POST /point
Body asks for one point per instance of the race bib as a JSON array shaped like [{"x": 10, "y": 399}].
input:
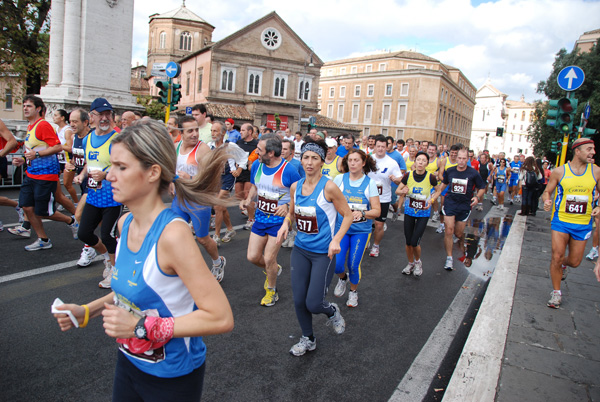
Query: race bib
[
  {"x": 459, "y": 186},
  {"x": 360, "y": 208},
  {"x": 267, "y": 202},
  {"x": 78, "y": 158},
  {"x": 91, "y": 183},
  {"x": 61, "y": 157},
  {"x": 500, "y": 179},
  {"x": 417, "y": 202},
  {"x": 576, "y": 204},
  {"x": 379, "y": 187},
  {"x": 306, "y": 219},
  {"x": 515, "y": 170}
]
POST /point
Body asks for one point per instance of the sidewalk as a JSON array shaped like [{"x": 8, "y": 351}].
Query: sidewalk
[{"x": 542, "y": 354}]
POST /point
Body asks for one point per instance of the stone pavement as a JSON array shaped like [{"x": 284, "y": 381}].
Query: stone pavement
[{"x": 541, "y": 354}]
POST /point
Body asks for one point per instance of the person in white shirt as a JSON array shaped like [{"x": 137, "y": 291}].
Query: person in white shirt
[
  {"x": 298, "y": 141},
  {"x": 387, "y": 172}
]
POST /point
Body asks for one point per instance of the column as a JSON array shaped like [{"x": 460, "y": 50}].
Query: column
[
  {"x": 71, "y": 45},
  {"x": 57, "y": 22}
]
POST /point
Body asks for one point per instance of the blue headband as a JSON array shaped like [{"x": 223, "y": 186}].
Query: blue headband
[{"x": 311, "y": 146}]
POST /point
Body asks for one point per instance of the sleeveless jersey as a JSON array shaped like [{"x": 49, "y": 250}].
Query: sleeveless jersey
[
  {"x": 484, "y": 172},
  {"x": 272, "y": 192},
  {"x": 187, "y": 162},
  {"x": 61, "y": 136},
  {"x": 78, "y": 152},
  {"x": 419, "y": 192},
  {"x": 449, "y": 164},
  {"x": 141, "y": 286},
  {"x": 515, "y": 168},
  {"x": 330, "y": 169},
  {"x": 409, "y": 164},
  {"x": 433, "y": 166},
  {"x": 574, "y": 196},
  {"x": 315, "y": 218},
  {"x": 501, "y": 176},
  {"x": 97, "y": 155},
  {"x": 45, "y": 166},
  {"x": 358, "y": 201}
]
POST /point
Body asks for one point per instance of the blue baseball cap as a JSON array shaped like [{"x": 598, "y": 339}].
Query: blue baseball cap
[{"x": 100, "y": 105}]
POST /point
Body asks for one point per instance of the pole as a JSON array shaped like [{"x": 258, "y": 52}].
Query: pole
[
  {"x": 563, "y": 153},
  {"x": 168, "y": 112}
]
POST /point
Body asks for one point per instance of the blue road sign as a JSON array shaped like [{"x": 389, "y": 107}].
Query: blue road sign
[
  {"x": 173, "y": 69},
  {"x": 188, "y": 110},
  {"x": 570, "y": 78},
  {"x": 587, "y": 111}
]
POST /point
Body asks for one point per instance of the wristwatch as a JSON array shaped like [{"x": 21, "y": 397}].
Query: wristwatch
[
  {"x": 37, "y": 154},
  {"x": 363, "y": 214},
  {"x": 140, "y": 330}
]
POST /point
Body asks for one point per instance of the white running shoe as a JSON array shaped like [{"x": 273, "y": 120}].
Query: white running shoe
[
  {"x": 394, "y": 216},
  {"x": 418, "y": 268},
  {"x": 337, "y": 321},
  {"x": 248, "y": 225},
  {"x": 435, "y": 217},
  {"x": 384, "y": 227},
  {"x": 74, "y": 228},
  {"x": 107, "y": 268},
  {"x": 305, "y": 345},
  {"x": 216, "y": 239},
  {"x": 340, "y": 288},
  {"x": 565, "y": 272},
  {"x": 440, "y": 228},
  {"x": 39, "y": 244},
  {"x": 448, "y": 265},
  {"x": 218, "y": 270},
  {"x": 409, "y": 268},
  {"x": 555, "y": 299},
  {"x": 352, "y": 299},
  {"x": 87, "y": 256},
  {"x": 592, "y": 255},
  {"x": 105, "y": 283},
  {"x": 229, "y": 234},
  {"x": 374, "y": 251},
  {"x": 20, "y": 231},
  {"x": 21, "y": 214}
]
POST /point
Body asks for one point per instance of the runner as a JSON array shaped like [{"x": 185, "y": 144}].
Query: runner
[
  {"x": 272, "y": 178},
  {"x": 65, "y": 135},
  {"x": 7, "y": 144},
  {"x": 287, "y": 155},
  {"x": 315, "y": 202},
  {"x": 513, "y": 184},
  {"x": 529, "y": 177},
  {"x": 242, "y": 182},
  {"x": 99, "y": 204},
  {"x": 333, "y": 163},
  {"x": 501, "y": 176},
  {"x": 447, "y": 163},
  {"x": 363, "y": 198},
  {"x": 434, "y": 168},
  {"x": 395, "y": 155},
  {"x": 41, "y": 183},
  {"x": 484, "y": 172},
  {"x": 576, "y": 186},
  {"x": 164, "y": 297},
  {"x": 190, "y": 152},
  {"x": 387, "y": 172},
  {"x": 459, "y": 201},
  {"x": 420, "y": 188}
]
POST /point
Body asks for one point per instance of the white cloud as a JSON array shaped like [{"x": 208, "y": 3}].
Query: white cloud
[{"x": 514, "y": 41}]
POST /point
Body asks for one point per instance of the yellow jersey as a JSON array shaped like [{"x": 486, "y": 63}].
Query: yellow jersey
[
  {"x": 574, "y": 196},
  {"x": 409, "y": 164},
  {"x": 433, "y": 166},
  {"x": 330, "y": 169}
]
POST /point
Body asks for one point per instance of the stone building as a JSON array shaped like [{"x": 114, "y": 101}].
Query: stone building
[
  {"x": 587, "y": 40},
  {"x": 520, "y": 116},
  {"x": 402, "y": 94}
]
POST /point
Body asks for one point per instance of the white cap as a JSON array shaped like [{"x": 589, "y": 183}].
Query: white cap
[{"x": 331, "y": 142}]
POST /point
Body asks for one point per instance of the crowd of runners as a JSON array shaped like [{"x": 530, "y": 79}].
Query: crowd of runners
[{"x": 328, "y": 198}]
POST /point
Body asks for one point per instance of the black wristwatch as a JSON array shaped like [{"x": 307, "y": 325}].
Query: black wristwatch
[
  {"x": 363, "y": 213},
  {"x": 140, "y": 330},
  {"x": 37, "y": 154}
]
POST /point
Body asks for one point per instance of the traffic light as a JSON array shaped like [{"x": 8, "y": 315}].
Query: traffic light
[
  {"x": 566, "y": 115},
  {"x": 555, "y": 146},
  {"x": 175, "y": 94},
  {"x": 552, "y": 113},
  {"x": 588, "y": 132},
  {"x": 499, "y": 131},
  {"x": 163, "y": 94}
]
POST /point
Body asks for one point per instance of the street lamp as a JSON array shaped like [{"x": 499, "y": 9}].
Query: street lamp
[{"x": 303, "y": 87}]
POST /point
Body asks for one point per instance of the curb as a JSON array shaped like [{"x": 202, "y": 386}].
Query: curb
[{"x": 477, "y": 372}]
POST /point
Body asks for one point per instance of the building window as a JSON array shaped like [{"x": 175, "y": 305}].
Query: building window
[
  {"x": 187, "y": 84},
  {"x": 367, "y": 131},
  {"x": 404, "y": 90},
  {"x": 340, "y": 114},
  {"x": 370, "y": 89},
  {"x": 523, "y": 116},
  {"x": 332, "y": 92},
  {"x": 185, "y": 41},
  {"x": 353, "y": 70},
  {"x": 388, "y": 89},
  {"x": 320, "y": 92},
  {"x": 385, "y": 114},
  {"x": 402, "y": 112},
  {"x": 162, "y": 40},
  {"x": 8, "y": 99},
  {"x": 227, "y": 79},
  {"x": 381, "y": 66},
  {"x": 521, "y": 127},
  {"x": 399, "y": 133},
  {"x": 254, "y": 82},
  {"x": 304, "y": 89},
  {"x": 355, "y": 111},
  {"x": 342, "y": 70},
  {"x": 271, "y": 38},
  {"x": 368, "y": 111},
  {"x": 357, "y": 90},
  {"x": 280, "y": 86},
  {"x": 384, "y": 132},
  {"x": 330, "y": 72},
  {"x": 368, "y": 68},
  {"x": 200, "y": 75},
  {"x": 330, "y": 111},
  {"x": 342, "y": 92}
]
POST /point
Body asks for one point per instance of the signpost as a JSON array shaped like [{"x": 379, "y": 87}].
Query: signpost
[
  {"x": 169, "y": 94},
  {"x": 570, "y": 78}
]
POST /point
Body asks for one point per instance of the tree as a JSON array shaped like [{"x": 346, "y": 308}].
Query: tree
[
  {"x": 542, "y": 135},
  {"x": 24, "y": 41},
  {"x": 153, "y": 108}
]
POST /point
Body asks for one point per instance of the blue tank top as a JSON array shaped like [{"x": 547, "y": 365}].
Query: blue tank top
[
  {"x": 141, "y": 286},
  {"x": 315, "y": 218},
  {"x": 501, "y": 176},
  {"x": 355, "y": 196}
]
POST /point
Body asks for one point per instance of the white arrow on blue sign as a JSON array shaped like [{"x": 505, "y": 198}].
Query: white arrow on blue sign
[
  {"x": 570, "y": 78},
  {"x": 173, "y": 69},
  {"x": 587, "y": 111}
]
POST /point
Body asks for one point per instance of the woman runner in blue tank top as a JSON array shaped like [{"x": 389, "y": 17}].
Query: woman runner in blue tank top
[
  {"x": 164, "y": 298},
  {"x": 363, "y": 198},
  {"x": 315, "y": 202}
]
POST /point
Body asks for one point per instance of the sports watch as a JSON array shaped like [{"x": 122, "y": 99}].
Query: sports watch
[{"x": 140, "y": 330}]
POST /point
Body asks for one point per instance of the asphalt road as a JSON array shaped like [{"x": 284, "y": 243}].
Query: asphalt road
[{"x": 384, "y": 335}]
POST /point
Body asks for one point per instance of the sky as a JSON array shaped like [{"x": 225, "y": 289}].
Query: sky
[{"x": 511, "y": 42}]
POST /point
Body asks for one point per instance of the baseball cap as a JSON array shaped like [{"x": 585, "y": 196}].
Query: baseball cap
[
  {"x": 230, "y": 121},
  {"x": 100, "y": 105},
  {"x": 331, "y": 142},
  {"x": 320, "y": 134}
]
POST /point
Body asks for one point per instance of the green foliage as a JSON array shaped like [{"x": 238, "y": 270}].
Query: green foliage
[
  {"x": 541, "y": 135},
  {"x": 24, "y": 42},
  {"x": 153, "y": 108}
]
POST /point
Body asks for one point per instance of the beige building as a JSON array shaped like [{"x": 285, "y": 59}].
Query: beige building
[
  {"x": 402, "y": 94},
  {"x": 519, "y": 117},
  {"x": 12, "y": 91},
  {"x": 587, "y": 40}
]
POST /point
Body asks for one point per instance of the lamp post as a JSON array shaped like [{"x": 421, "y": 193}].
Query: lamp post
[{"x": 303, "y": 87}]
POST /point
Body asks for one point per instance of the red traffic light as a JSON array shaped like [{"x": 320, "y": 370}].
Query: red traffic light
[{"x": 565, "y": 105}]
